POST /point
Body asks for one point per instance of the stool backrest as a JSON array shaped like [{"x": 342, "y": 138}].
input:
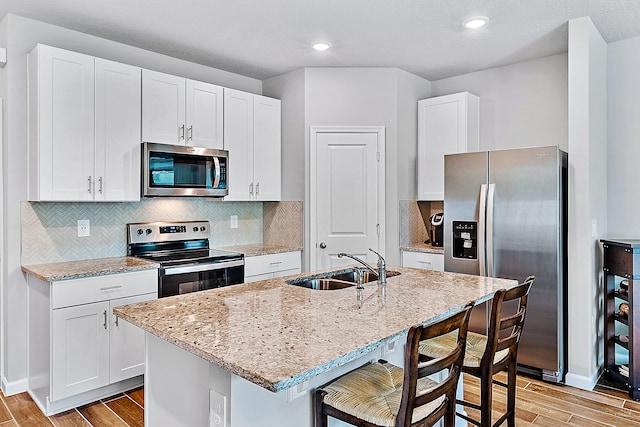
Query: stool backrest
[
  {"x": 417, "y": 366},
  {"x": 505, "y": 329}
]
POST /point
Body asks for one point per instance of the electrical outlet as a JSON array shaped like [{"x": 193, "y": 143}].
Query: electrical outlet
[
  {"x": 217, "y": 409},
  {"x": 84, "y": 229},
  {"x": 233, "y": 221}
]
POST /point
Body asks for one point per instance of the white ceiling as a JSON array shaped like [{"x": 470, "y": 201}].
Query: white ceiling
[{"x": 264, "y": 38}]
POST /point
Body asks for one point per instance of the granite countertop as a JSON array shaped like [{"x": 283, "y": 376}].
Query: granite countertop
[
  {"x": 278, "y": 335},
  {"x": 86, "y": 268},
  {"x": 423, "y": 247},
  {"x": 259, "y": 249}
]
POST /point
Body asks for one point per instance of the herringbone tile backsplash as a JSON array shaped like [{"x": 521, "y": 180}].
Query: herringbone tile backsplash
[{"x": 49, "y": 230}]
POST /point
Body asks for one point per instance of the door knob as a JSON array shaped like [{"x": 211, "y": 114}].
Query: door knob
[{"x": 323, "y": 245}]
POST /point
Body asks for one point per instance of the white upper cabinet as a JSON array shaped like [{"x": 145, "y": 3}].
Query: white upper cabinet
[
  {"x": 446, "y": 125},
  {"x": 252, "y": 135},
  {"x": 179, "y": 111},
  {"x": 61, "y": 125},
  {"x": 117, "y": 136},
  {"x": 84, "y": 127}
]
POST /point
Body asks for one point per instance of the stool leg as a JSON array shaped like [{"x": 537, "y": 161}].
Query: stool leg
[
  {"x": 321, "y": 418},
  {"x": 486, "y": 398},
  {"x": 511, "y": 394}
]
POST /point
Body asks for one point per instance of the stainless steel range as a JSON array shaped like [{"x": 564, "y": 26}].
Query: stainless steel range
[{"x": 187, "y": 263}]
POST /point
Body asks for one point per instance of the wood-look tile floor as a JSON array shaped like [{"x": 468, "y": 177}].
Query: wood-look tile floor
[
  {"x": 122, "y": 410},
  {"x": 538, "y": 404}
]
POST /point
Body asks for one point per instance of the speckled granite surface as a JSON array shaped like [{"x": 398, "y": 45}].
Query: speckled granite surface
[
  {"x": 277, "y": 335},
  {"x": 87, "y": 268},
  {"x": 423, "y": 247},
  {"x": 259, "y": 249}
]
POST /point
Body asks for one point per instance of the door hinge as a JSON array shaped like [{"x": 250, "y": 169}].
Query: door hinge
[{"x": 378, "y": 229}]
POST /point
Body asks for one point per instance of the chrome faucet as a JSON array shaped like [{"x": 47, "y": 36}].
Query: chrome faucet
[{"x": 382, "y": 266}]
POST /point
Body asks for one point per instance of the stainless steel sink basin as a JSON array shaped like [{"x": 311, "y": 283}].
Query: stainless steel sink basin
[
  {"x": 352, "y": 276},
  {"x": 336, "y": 280},
  {"x": 321, "y": 284}
]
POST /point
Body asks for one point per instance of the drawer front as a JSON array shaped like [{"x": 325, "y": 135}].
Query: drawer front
[
  {"x": 271, "y": 263},
  {"x": 67, "y": 293},
  {"x": 423, "y": 260}
]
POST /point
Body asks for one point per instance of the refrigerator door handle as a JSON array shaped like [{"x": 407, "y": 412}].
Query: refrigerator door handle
[
  {"x": 481, "y": 230},
  {"x": 489, "y": 230}
]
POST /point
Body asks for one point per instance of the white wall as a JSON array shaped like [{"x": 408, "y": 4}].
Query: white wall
[
  {"x": 289, "y": 88},
  {"x": 20, "y": 36},
  {"x": 624, "y": 138},
  {"x": 587, "y": 197},
  {"x": 521, "y": 105}
]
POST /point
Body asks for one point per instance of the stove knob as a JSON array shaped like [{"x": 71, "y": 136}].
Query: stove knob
[
  {"x": 195, "y": 228},
  {"x": 139, "y": 231},
  {"x": 148, "y": 231},
  {"x": 203, "y": 228}
]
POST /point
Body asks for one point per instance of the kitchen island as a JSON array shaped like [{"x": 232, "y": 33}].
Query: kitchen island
[{"x": 252, "y": 354}]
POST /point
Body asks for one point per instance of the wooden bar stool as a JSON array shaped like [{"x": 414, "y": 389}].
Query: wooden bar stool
[
  {"x": 486, "y": 355},
  {"x": 381, "y": 394}
]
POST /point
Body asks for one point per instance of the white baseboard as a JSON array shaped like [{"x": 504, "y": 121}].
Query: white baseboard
[
  {"x": 581, "y": 381},
  {"x": 13, "y": 387}
]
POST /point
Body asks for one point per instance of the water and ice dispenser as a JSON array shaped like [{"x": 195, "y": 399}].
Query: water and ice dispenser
[{"x": 465, "y": 239}]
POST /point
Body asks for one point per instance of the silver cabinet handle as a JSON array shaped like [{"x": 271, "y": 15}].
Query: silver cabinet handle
[
  {"x": 117, "y": 321},
  {"x": 110, "y": 288},
  {"x": 251, "y": 188},
  {"x": 275, "y": 263},
  {"x": 100, "y": 185},
  {"x": 105, "y": 320},
  {"x": 323, "y": 245},
  {"x": 257, "y": 189},
  {"x": 190, "y": 133},
  {"x": 89, "y": 184},
  {"x": 181, "y": 128}
]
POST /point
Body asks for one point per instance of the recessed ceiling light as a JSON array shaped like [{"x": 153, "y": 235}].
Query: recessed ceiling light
[
  {"x": 476, "y": 22},
  {"x": 321, "y": 46}
]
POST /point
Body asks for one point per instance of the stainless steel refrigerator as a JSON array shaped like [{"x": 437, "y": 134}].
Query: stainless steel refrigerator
[{"x": 505, "y": 216}]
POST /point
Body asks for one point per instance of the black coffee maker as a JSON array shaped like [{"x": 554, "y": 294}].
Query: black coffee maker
[{"x": 436, "y": 225}]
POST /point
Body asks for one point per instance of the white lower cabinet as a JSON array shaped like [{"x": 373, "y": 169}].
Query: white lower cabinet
[
  {"x": 423, "y": 260},
  {"x": 78, "y": 350},
  {"x": 271, "y": 266}
]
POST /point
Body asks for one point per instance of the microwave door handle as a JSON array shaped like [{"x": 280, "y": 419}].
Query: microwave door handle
[{"x": 216, "y": 165}]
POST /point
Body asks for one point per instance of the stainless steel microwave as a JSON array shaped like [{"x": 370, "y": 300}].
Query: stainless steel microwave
[{"x": 180, "y": 170}]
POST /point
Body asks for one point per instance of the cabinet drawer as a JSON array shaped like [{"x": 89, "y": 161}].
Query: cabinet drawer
[
  {"x": 255, "y": 265},
  {"x": 67, "y": 293},
  {"x": 423, "y": 260}
]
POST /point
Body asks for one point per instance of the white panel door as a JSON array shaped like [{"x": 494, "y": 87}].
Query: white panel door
[
  {"x": 66, "y": 120},
  {"x": 204, "y": 114},
  {"x": 126, "y": 342},
  {"x": 163, "y": 108},
  {"x": 238, "y": 140},
  {"x": 267, "y": 148},
  {"x": 346, "y": 185},
  {"x": 79, "y": 349},
  {"x": 117, "y": 131}
]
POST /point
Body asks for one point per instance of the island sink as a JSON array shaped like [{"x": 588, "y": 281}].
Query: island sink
[{"x": 339, "y": 279}]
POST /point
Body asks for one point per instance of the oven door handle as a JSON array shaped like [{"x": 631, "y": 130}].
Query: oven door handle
[{"x": 195, "y": 268}]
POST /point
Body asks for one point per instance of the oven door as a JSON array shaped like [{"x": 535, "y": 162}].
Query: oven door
[{"x": 183, "y": 279}]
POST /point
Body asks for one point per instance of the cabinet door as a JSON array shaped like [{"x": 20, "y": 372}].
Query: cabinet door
[
  {"x": 79, "y": 349},
  {"x": 126, "y": 342},
  {"x": 61, "y": 125},
  {"x": 238, "y": 140},
  {"x": 204, "y": 114},
  {"x": 163, "y": 108},
  {"x": 267, "y": 149},
  {"x": 117, "y": 137},
  {"x": 446, "y": 125}
]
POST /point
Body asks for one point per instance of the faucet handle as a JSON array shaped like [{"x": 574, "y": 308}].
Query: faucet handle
[{"x": 380, "y": 258}]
